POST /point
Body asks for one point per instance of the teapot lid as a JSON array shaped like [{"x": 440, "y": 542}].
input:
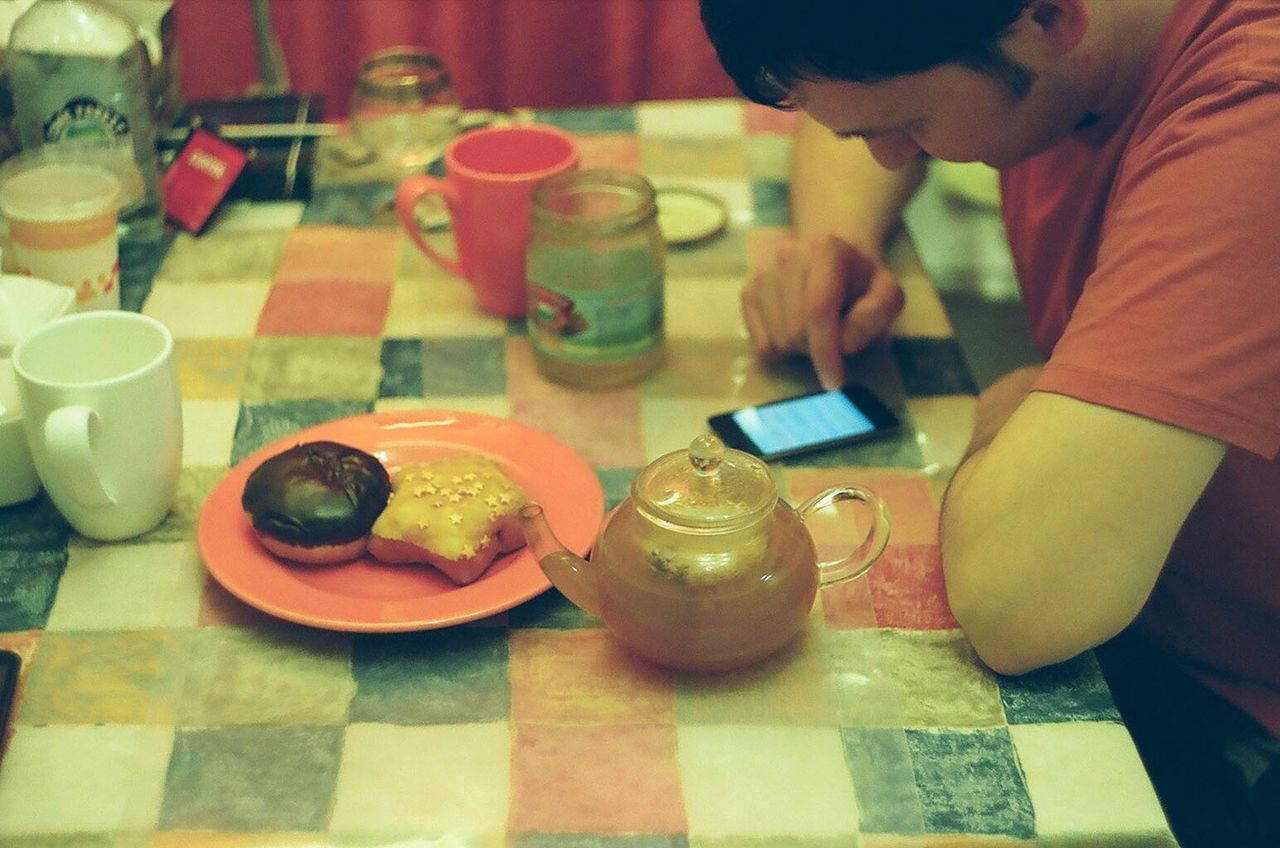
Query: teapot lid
[{"x": 707, "y": 486}]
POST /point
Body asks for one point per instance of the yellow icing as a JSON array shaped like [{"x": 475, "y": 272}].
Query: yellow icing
[{"x": 449, "y": 517}]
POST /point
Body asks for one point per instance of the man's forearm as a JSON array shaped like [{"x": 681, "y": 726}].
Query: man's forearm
[{"x": 836, "y": 187}]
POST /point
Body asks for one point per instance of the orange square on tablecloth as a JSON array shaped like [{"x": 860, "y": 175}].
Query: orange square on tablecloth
[
  {"x": 595, "y": 779},
  {"x": 584, "y": 676},
  {"x": 325, "y": 309},
  {"x": 913, "y": 511},
  {"x": 908, "y": 590},
  {"x": 332, "y": 252}
]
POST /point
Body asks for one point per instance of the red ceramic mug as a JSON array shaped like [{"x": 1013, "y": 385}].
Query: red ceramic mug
[{"x": 490, "y": 175}]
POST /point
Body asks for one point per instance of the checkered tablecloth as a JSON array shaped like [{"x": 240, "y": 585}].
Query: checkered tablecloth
[{"x": 157, "y": 710}]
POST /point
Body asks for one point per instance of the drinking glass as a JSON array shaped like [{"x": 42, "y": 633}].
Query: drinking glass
[{"x": 404, "y": 108}]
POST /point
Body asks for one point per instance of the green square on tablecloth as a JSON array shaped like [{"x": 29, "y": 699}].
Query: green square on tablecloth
[
  {"x": 262, "y": 424},
  {"x": 771, "y": 202},
  {"x": 33, "y": 525},
  {"x": 139, "y": 260},
  {"x": 454, "y": 676},
  {"x": 252, "y": 778},
  {"x": 970, "y": 782},
  {"x": 880, "y": 761},
  {"x": 352, "y": 204},
  {"x": 598, "y": 119},
  {"x": 464, "y": 366},
  {"x": 1070, "y": 691},
  {"x": 401, "y": 368},
  {"x": 277, "y": 675},
  {"x": 28, "y": 582}
]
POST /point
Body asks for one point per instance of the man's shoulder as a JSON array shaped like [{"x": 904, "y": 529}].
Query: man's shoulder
[{"x": 1227, "y": 43}]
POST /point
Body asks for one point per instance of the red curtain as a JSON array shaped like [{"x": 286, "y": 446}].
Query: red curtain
[{"x": 501, "y": 53}]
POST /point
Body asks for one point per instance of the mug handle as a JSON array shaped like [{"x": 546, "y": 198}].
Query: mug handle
[
  {"x": 69, "y": 434},
  {"x": 409, "y": 192},
  {"x": 856, "y": 563}
]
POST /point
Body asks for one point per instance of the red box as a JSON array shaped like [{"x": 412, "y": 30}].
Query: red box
[{"x": 199, "y": 179}]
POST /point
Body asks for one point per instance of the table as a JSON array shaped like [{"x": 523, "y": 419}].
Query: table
[{"x": 157, "y": 710}]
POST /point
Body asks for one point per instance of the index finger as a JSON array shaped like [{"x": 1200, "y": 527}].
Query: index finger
[{"x": 825, "y": 297}]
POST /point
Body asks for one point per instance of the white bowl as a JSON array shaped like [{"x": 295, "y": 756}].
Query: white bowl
[{"x": 27, "y": 303}]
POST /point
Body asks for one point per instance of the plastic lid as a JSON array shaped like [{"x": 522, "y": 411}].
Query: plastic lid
[
  {"x": 69, "y": 180},
  {"x": 62, "y": 192},
  {"x": 707, "y": 486},
  {"x": 688, "y": 216},
  {"x": 73, "y": 27}
]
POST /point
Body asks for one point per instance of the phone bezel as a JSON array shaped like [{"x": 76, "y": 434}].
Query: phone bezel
[
  {"x": 10, "y": 670},
  {"x": 885, "y": 423}
]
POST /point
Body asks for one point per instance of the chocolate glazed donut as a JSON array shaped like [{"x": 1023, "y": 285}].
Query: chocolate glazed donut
[{"x": 315, "y": 502}]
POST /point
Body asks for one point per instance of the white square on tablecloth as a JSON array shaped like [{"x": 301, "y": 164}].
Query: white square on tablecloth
[{"x": 1086, "y": 778}]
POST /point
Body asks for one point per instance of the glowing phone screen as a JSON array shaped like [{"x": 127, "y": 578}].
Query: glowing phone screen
[{"x": 802, "y": 422}]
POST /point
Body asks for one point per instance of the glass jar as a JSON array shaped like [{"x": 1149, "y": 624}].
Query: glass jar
[
  {"x": 404, "y": 108},
  {"x": 596, "y": 269},
  {"x": 80, "y": 73}
]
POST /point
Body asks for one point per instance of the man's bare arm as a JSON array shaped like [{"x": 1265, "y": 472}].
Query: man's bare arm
[
  {"x": 1054, "y": 532},
  {"x": 838, "y": 189}
]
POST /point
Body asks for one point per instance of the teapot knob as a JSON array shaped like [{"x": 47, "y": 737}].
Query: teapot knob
[{"x": 706, "y": 453}]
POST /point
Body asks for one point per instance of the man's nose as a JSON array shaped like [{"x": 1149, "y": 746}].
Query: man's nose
[{"x": 893, "y": 150}]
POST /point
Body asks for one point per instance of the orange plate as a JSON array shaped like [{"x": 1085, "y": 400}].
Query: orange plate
[{"x": 367, "y": 596}]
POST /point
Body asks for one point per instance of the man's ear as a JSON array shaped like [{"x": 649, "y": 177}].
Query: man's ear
[{"x": 1063, "y": 22}]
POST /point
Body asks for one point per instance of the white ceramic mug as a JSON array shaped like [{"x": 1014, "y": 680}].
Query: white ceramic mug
[{"x": 103, "y": 418}]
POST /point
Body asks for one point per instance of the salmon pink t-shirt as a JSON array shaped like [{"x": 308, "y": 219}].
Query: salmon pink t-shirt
[{"x": 1149, "y": 258}]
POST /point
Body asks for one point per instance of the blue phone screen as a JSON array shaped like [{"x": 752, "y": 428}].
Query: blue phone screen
[{"x": 803, "y": 421}]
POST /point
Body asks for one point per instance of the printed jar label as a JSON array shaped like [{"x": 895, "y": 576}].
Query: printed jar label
[
  {"x": 85, "y": 117},
  {"x": 594, "y": 327}
]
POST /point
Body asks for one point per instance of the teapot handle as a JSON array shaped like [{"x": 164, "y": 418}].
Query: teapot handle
[{"x": 856, "y": 563}]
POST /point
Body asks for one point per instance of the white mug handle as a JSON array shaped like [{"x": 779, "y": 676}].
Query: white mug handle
[{"x": 69, "y": 434}]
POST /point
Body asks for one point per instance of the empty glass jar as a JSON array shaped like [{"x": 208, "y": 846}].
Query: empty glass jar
[
  {"x": 596, "y": 271},
  {"x": 404, "y": 108}
]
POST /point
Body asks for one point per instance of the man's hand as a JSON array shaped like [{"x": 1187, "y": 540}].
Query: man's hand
[{"x": 827, "y": 299}]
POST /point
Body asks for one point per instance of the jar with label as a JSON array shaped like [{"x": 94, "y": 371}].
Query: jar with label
[
  {"x": 80, "y": 72},
  {"x": 596, "y": 271}
]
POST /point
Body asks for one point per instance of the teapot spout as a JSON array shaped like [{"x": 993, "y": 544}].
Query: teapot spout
[{"x": 571, "y": 575}]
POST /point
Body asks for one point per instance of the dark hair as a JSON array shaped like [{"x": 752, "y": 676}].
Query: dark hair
[{"x": 767, "y": 45}]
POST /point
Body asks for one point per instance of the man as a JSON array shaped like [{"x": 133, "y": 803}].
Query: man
[{"x": 1130, "y": 486}]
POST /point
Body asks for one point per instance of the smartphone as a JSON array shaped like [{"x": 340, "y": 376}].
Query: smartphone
[{"x": 806, "y": 423}]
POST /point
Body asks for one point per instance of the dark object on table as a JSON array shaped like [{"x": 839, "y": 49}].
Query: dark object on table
[
  {"x": 10, "y": 666},
  {"x": 277, "y": 133}
]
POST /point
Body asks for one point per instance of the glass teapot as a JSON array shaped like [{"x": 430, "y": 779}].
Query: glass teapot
[{"x": 703, "y": 566}]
